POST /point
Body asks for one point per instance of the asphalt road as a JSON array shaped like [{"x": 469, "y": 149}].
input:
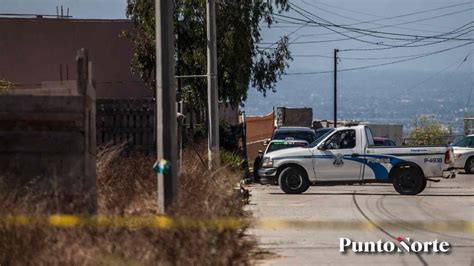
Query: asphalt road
[{"x": 448, "y": 200}]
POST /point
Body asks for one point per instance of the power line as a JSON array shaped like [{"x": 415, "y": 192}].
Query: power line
[
  {"x": 438, "y": 72},
  {"x": 331, "y": 29},
  {"x": 421, "y": 12},
  {"x": 285, "y": 36},
  {"x": 367, "y": 31},
  {"x": 407, "y": 45},
  {"x": 390, "y": 46},
  {"x": 394, "y": 25},
  {"x": 359, "y": 20},
  {"x": 360, "y": 58},
  {"x": 404, "y": 45},
  {"x": 348, "y": 36},
  {"x": 383, "y": 64},
  {"x": 417, "y": 40},
  {"x": 381, "y": 17},
  {"x": 348, "y": 28}
]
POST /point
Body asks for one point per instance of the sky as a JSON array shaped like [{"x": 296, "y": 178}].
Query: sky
[
  {"x": 312, "y": 47},
  {"x": 341, "y": 12},
  {"x": 347, "y": 12}
]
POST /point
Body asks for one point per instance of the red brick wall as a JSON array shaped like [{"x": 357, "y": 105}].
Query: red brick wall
[
  {"x": 34, "y": 50},
  {"x": 259, "y": 128}
]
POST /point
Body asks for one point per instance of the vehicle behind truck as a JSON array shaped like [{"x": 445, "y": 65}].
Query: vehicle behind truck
[{"x": 348, "y": 155}]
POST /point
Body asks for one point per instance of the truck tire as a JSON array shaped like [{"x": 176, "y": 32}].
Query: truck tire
[
  {"x": 409, "y": 181},
  {"x": 469, "y": 166},
  {"x": 293, "y": 180}
]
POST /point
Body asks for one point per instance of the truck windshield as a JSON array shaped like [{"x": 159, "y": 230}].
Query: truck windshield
[
  {"x": 274, "y": 146},
  {"x": 320, "y": 138}
]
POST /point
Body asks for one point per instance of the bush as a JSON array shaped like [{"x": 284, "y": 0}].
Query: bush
[
  {"x": 427, "y": 131},
  {"x": 232, "y": 159},
  {"x": 126, "y": 186}
]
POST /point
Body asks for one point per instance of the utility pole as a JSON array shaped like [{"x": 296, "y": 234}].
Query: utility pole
[
  {"x": 335, "y": 87},
  {"x": 166, "y": 124},
  {"x": 212, "y": 91}
]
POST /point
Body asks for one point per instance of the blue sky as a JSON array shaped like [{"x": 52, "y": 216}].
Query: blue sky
[
  {"x": 336, "y": 11},
  {"x": 425, "y": 71}
]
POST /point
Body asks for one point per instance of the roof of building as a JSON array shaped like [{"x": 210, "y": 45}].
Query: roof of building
[{"x": 64, "y": 20}]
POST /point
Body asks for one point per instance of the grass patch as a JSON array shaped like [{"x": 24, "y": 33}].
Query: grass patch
[{"x": 126, "y": 186}]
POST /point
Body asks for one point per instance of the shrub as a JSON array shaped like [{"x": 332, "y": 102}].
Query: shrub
[
  {"x": 126, "y": 185},
  {"x": 427, "y": 131}
]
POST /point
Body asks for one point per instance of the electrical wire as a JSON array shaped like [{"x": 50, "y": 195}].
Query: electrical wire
[
  {"x": 382, "y": 64},
  {"x": 386, "y": 18},
  {"x": 439, "y": 72},
  {"x": 362, "y": 21},
  {"x": 403, "y": 15},
  {"x": 287, "y": 35},
  {"x": 387, "y": 46},
  {"x": 424, "y": 11},
  {"x": 352, "y": 29},
  {"x": 404, "y": 45},
  {"x": 368, "y": 31},
  {"x": 360, "y": 58}
]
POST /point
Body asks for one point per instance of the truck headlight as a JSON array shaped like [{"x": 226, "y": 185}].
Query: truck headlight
[{"x": 267, "y": 162}]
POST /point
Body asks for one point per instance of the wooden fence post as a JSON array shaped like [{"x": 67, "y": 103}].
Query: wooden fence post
[{"x": 86, "y": 90}]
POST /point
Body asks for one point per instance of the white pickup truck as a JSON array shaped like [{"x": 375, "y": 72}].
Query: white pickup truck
[{"x": 347, "y": 155}]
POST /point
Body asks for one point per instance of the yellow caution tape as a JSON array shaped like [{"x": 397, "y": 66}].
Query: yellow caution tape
[{"x": 167, "y": 222}]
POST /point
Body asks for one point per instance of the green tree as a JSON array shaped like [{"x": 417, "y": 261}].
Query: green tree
[
  {"x": 427, "y": 131},
  {"x": 241, "y": 59}
]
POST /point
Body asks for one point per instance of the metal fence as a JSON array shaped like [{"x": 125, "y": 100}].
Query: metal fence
[{"x": 126, "y": 120}]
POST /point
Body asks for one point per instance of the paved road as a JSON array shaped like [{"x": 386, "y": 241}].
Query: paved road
[{"x": 445, "y": 201}]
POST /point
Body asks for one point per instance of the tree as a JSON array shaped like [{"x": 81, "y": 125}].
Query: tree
[
  {"x": 427, "y": 131},
  {"x": 241, "y": 60}
]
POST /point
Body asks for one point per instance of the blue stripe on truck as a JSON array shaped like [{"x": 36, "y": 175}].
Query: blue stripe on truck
[{"x": 379, "y": 170}]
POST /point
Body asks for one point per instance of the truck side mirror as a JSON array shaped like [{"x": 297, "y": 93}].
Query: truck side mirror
[
  {"x": 265, "y": 142},
  {"x": 260, "y": 153}
]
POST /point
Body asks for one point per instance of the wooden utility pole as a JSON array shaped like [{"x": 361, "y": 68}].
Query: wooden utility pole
[
  {"x": 212, "y": 88},
  {"x": 166, "y": 124},
  {"x": 335, "y": 87}
]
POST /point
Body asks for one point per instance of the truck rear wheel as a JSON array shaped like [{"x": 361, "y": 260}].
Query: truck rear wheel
[
  {"x": 293, "y": 180},
  {"x": 409, "y": 181},
  {"x": 469, "y": 167}
]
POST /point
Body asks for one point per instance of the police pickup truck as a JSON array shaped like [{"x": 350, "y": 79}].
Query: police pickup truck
[{"x": 348, "y": 155}]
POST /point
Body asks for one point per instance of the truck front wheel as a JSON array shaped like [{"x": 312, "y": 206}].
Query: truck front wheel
[
  {"x": 293, "y": 180},
  {"x": 409, "y": 181}
]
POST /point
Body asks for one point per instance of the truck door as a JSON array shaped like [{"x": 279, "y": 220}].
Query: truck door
[{"x": 340, "y": 159}]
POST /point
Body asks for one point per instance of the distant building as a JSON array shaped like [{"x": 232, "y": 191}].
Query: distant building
[
  {"x": 293, "y": 117},
  {"x": 34, "y": 50}
]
